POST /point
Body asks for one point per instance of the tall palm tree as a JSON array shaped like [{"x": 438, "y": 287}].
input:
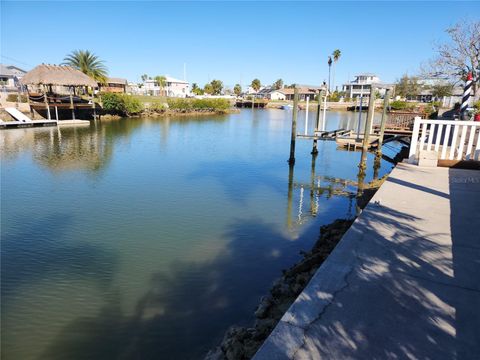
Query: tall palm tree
[
  {"x": 336, "y": 55},
  {"x": 88, "y": 63},
  {"x": 161, "y": 81}
]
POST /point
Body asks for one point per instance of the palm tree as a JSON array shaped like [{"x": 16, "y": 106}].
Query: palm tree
[
  {"x": 336, "y": 55},
  {"x": 256, "y": 84},
  {"x": 161, "y": 81},
  {"x": 88, "y": 63}
]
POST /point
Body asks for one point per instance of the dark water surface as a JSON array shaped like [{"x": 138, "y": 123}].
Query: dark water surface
[{"x": 147, "y": 238}]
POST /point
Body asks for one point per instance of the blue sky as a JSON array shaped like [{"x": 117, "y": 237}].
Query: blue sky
[{"x": 232, "y": 41}]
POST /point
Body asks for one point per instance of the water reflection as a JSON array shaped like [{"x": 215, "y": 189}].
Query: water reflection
[
  {"x": 81, "y": 147},
  {"x": 178, "y": 238},
  {"x": 327, "y": 187}
]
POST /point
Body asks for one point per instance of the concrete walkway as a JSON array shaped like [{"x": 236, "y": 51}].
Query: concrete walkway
[{"x": 403, "y": 283}]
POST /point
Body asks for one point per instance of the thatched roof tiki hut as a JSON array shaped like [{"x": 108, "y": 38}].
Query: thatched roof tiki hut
[{"x": 45, "y": 77}]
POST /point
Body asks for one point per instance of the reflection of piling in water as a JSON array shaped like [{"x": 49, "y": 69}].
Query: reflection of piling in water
[
  {"x": 362, "y": 166},
  {"x": 313, "y": 202},
  {"x": 290, "y": 196},
  {"x": 376, "y": 164}
]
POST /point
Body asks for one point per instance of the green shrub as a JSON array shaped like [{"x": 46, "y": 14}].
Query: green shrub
[
  {"x": 400, "y": 105},
  {"x": 132, "y": 105},
  {"x": 120, "y": 104},
  {"x": 186, "y": 105},
  {"x": 476, "y": 105},
  {"x": 113, "y": 103},
  {"x": 16, "y": 98},
  {"x": 157, "y": 107}
]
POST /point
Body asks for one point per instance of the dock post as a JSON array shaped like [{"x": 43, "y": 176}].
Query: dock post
[
  {"x": 291, "y": 160},
  {"x": 306, "y": 117},
  {"x": 384, "y": 119},
  {"x": 46, "y": 102},
  {"x": 369, "y": 120},
  {"x": 359, "y": 115},
  {"x": 71, "y": 104},
  {"x": 324, "y": 111},
  {"x": 317, "y": 123}
]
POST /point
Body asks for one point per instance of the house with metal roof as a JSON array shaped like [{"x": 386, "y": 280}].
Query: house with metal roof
[
  {"x": 173, "y": 87},
  {"x": 10, "y": 76}
]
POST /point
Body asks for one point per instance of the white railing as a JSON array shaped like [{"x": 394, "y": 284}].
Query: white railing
[{"x": 451, "y": 139}]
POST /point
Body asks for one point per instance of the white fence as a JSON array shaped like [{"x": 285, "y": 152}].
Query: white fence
[{"x": 451, "y": 139}]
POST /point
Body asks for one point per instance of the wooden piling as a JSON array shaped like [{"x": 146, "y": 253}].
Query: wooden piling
[
  {"x": 384, "y": 119},
  {"x": 369, "y": 120},
  {"x": 291, "y": 160},
  {"x": 317, "y": 122},
  {"x": 45, "y": 98},
  {"x": 71, "y": 104}
]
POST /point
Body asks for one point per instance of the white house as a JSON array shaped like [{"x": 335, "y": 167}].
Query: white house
[
  {"x": 173, "y": 87},
  {"x": 277, "y": 95},
  {"x": 361, "y": 85},
  {"x": 134, "y": 89},
  {"x": 9, "y": 76}
]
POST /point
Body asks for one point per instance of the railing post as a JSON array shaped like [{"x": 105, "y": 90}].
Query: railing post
[{"x": 414, "y": 141}]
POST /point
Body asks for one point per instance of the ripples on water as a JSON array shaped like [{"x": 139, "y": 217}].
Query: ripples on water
[{"x": 147, "y": 238}]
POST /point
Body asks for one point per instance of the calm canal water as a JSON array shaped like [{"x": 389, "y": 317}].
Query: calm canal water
[{"x": 148, "y": 238}]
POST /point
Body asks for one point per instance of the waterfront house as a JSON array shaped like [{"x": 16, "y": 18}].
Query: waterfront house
[
  {"x": 288, "y": 93},
  {"x": 114, "y": 85},
  {"x": 10, "y": 76},
  {"x": 362, "y": 85},
  {"x": 277, "y": 95},
  {"x": 134, "y": 89},
  {"x": 425, "y": 93},
  {"x": 173, "y": 87}
]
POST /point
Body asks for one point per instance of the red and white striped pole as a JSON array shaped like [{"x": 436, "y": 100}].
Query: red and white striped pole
[{"x": 466, "y": 95}]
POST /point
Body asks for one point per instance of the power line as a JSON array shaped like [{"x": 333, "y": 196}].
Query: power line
[{"x": 15, "y": 60}]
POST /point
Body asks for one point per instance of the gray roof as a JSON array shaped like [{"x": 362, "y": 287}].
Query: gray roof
[{"x": 11, "y": 70}]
